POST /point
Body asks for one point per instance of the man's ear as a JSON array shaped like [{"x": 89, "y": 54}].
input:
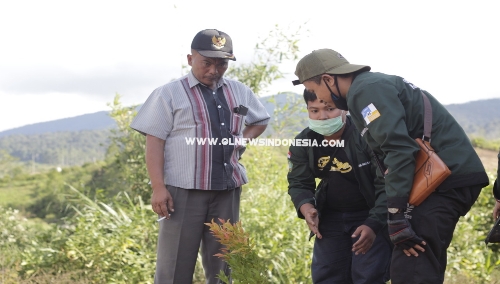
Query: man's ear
[
  {"x": 328, "y": 79},
  {"x": 190, "y": 59}
]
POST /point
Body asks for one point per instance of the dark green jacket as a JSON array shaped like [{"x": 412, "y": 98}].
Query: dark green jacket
[
  {"x": 302, "y": 174},
  {"x": 400, "y": 112}
]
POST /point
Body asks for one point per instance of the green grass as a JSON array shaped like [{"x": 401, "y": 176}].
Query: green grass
[
  {"x": 20, "y": 192},
  {"x": 16, "y": 196}
]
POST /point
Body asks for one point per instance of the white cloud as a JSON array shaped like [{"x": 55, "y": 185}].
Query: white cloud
[
  {"x": 20, "y": 110},
  {"x": 91, "y": 83},
  {"x": 80, "y": 53}
]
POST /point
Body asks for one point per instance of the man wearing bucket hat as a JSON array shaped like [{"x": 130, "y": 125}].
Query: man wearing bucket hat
[
  {"x": 388, "y": 111},
  {"x": 195, "y": 183}
]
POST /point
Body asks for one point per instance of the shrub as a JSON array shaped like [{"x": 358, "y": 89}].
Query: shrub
[
  {"x": 101, "y": 244},
  {"x": 468, "y": 256},
  {"x": 267, "y": 213}
]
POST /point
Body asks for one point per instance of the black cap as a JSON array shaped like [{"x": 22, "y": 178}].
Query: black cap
[{"x": 213, "y": 43}]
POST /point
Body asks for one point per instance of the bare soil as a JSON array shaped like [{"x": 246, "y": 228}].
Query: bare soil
[{"x": 489, "y": 159}]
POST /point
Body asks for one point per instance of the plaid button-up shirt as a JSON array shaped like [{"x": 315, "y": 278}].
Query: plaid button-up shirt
[{"x": 181, "y": 111}]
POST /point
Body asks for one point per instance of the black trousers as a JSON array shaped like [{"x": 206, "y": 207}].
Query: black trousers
[
  {"x": 434, "y": 220},
  {"x": 333, "y": 260}
]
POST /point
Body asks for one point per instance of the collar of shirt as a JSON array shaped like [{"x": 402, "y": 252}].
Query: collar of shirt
[{"x": 193, "y": 81}]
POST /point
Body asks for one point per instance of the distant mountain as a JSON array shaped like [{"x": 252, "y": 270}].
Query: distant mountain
[
  {"x": 101, "y": 120},
  {"x": 60, "y": 148},
  {"x": 478, "y": 118},
  {"x": 92, "y": 121},
  {"x": 88, "y": 132}
]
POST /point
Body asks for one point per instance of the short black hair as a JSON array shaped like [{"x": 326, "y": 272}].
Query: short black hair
[
  {"x": 317, "y": 79},
  {"x": 309, "y": 96}
]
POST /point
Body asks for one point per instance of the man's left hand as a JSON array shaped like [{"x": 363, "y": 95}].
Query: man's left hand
[
  {"x": 403, "y": 236},
  {"x": 365, "y": 241}
]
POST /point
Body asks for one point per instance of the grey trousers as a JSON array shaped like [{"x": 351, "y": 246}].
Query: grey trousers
[{"x": 180, "y": 237}]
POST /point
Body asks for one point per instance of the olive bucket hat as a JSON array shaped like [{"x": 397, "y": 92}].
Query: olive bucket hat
[{"x": 324, "y": 61}]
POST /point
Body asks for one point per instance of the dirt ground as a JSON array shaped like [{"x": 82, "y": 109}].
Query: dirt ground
[{"x": 489, "y": 159}]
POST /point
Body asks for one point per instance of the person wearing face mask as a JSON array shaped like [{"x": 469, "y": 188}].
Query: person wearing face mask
[
  {"x": 347, "y": 211},
  {"x": 388, "y": 111}
]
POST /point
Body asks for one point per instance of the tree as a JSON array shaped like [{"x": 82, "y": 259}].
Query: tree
[
  {"x": 279, "y": 46},
  {"x": 9, "y": 166}
]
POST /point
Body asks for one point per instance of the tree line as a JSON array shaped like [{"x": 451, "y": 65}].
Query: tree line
[{"x": 58, "y": 148}]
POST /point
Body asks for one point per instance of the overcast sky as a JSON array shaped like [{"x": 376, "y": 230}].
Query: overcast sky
[{"x": 65, "y": 58}]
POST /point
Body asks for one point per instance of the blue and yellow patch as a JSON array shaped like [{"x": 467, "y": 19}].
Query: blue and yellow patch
[{"x": 370, "y": 113}]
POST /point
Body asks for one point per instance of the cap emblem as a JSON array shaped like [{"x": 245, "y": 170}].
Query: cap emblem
[{"x": 218, "y": 42}]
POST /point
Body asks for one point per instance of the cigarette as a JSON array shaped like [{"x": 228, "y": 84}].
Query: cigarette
[{"x": 164, "y": 217}]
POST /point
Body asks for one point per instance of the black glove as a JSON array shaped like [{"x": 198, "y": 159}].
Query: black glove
[{"x": 401, "y": 233}]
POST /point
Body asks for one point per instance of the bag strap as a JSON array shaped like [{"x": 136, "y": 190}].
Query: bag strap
[
  {"x": 427, "y": 118},
  {"x": 427, "y": 130}
]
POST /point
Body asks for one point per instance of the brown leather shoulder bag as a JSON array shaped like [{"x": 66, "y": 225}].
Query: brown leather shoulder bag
[{"x": 430, "y": 170}]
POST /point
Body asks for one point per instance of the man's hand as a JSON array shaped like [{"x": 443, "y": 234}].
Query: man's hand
[
  {"x": 312, "y": 218},
  {"x": 403, "y": 236},
  {"x": 496, "y": 211},
  {"x": 365, "y": 241},
  {"x": 162, "y": 202}
]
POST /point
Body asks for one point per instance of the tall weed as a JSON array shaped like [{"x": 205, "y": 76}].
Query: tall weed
[{"x": 102, "y": 244}]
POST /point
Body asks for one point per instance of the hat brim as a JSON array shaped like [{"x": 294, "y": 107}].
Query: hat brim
[
  {"x": 339, "y": 70},
  {"x": 217, "y": 54},
  {"x": 347, "y": 68}
]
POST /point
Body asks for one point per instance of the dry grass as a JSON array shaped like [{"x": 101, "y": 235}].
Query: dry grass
[{"x": 489, "y": 159}]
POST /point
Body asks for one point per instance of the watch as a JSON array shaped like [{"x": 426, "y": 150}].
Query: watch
[{"x": 394, "y": 210}]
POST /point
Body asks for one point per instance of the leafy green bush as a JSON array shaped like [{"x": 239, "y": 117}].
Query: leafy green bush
[
  {"x": 101, "y": 244},
  {"x": 13, "y": 235},
  {"x": 16, "y": 234},
  {"x": 116, "y": 241},
  {"x": 267, "y": 213},
  {"x": 482, "y": 143},
  {"x": 468, "y": 256}
]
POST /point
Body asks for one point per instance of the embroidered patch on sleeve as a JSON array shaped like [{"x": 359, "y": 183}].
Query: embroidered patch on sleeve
[
  {"x": 289, "y": 155},
  {"x": 370, "y": 113}
]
